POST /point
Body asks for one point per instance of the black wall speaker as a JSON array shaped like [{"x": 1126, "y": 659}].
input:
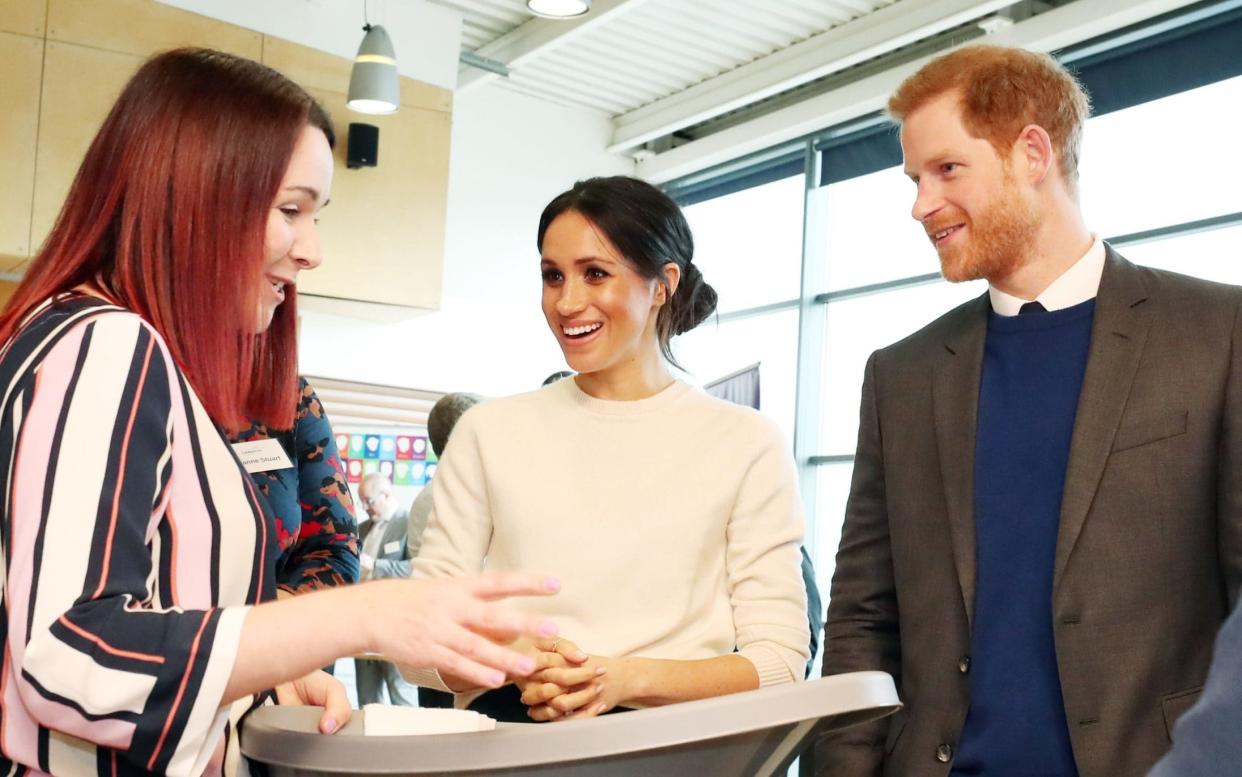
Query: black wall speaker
[{"x": 363, "y": 150}]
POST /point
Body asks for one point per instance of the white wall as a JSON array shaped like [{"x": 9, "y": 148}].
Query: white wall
[{"x": 511, "y": 154}]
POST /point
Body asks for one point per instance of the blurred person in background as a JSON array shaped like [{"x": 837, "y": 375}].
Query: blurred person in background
[{"x": 385, "y": 554}]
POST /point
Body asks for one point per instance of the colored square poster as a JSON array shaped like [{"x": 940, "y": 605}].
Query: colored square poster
[
  {"x": 371, "y": 449},
  {"x": 405, "y": 447},
  {"x": 388, "y": 447},
  {"x": 430, "y": 471},
  {"x": 419, "y": 448},
  {"x": 402, "y": 473},
  {"x": 357, "y": 444},
  {"x": 370, "y": 466},
  {"x": 385, "y": 469},
  {"x": 342, "y": 444},
  {"x": 353, "y": 473},
  {"x": 418, "y": 473}
]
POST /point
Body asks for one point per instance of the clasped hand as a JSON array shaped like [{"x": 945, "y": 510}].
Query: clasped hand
[{"x": 568, "y": 683}]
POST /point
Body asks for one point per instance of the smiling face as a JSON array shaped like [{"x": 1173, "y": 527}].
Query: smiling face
[
  {"x": 291, "y": 243},
  {"x": 602, "y": 311},
  {"x": 981, "y": 219}
]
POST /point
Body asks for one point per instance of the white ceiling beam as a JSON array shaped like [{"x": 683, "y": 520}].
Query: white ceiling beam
[
  {"x": 831, "y": 51},
  {"x": 1049, "y": 31},
  {"x": 589, "y": 62},
  {"x": 586, "y": 103},
  {"x": 606, "y": 84},
  {"x": 746, "y": 40},
  {"x": 539, "y": 36}
]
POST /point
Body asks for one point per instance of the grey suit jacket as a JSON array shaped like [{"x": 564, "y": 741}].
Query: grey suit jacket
[
  {"x": 1208, "y": 739},
  {"x": 393, "y": 557},
  {"x": 1149, "y": 549}
]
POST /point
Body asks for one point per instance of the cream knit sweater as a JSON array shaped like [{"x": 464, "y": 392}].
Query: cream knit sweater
[{"x": 672, "y": 522}]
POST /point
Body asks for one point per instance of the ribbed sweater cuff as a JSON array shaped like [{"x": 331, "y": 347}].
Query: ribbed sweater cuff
[
  {"x": 772, "y": 670},
  {"x": 425, "y": 678}
]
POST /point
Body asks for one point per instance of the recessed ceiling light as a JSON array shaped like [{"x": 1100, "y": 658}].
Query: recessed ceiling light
[{"x": 559, "y": 9}]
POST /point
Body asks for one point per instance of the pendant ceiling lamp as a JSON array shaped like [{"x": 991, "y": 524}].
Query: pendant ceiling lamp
[
  {"x": 559, "y": 9},
  {"x": 374, "y": 86}
]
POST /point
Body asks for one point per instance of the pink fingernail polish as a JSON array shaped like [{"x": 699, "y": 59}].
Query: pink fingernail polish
[
  {"x": 329, "y": 726},
  {"x": 552, "y": 584},
  {"x": 548, "y": 629},
  {"x": 526, "y": 665}
]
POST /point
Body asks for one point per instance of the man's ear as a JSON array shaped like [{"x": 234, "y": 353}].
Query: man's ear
[
  {"x": 1033, "y": 151},
  {"x": 672, "y": 279}
]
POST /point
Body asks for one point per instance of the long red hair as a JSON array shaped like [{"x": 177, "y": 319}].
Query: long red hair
[{"x": 168, "y": 214}]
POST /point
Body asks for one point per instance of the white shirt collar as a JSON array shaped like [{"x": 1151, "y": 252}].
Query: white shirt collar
[{"x": 1079, "y": 283}]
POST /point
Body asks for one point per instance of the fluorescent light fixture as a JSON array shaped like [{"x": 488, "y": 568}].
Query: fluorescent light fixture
[
  {"x": 559, "y": 9},
  {"x": 374, "y": 86},
  {"x": 484, "y": 63}
]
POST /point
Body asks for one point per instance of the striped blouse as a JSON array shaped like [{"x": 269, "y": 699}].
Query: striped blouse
[{"x": 133, "y": 543}]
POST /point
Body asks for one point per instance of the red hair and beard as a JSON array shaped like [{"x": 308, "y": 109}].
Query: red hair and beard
[{"x": 998, "y": 239}]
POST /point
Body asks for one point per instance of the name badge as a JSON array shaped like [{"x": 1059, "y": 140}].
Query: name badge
[
  {"x": 262, "y": 455},
  {"x": 392, "y": 547}
]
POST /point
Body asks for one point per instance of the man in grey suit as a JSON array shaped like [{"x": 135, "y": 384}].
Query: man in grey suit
[
  {"x": 1044, "y": 529},
  {"x": 384, "y": 554}
]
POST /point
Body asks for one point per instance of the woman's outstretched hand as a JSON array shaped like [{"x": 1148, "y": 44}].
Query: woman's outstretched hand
[{"x": 457, "y": 626}]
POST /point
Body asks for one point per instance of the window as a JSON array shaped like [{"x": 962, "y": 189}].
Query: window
[
  {"x": 856, "y": 327},
  {"x": 748, "y": 245},
  {"x": 871, "y": 237},
  {"x": 1165, "y": 162},
  {"x": 714, "y": 350},
  {"x": 1214, "y": 255}
]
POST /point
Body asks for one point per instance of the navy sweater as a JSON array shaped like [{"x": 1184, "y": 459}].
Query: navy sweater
[{"x": 1033, "y": 369}]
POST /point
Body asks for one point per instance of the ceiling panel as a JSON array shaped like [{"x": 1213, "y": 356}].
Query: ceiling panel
[
  {"x": 651, "y": 49},
  {"x": 484, "y": 21}
]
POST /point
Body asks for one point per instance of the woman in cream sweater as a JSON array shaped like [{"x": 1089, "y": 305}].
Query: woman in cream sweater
[{"x": 671, "y": 517}]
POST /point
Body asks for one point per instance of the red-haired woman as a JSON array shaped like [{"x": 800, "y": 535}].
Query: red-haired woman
[{"x": 138, "y": 557}]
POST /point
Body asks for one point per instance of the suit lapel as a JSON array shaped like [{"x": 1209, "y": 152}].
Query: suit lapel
[
  {"x": 395, "y": 531},
  {"x": 1118, "y": 334},
  {"x": 955, "y": 406}
]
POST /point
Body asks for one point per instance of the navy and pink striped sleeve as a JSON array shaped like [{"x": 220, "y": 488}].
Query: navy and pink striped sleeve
[{"x": 99, "y": 648}]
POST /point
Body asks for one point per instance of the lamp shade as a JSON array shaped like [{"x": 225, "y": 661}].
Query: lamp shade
[
  {"x": 559, "y": 9},
  {"x": 373, "y": 84}
]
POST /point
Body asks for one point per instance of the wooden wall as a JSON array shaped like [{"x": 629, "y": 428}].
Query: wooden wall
[{"x": 62, "y": 63}]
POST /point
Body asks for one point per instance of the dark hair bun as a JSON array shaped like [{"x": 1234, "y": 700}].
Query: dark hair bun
[{"x": 694, "y": 301}]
